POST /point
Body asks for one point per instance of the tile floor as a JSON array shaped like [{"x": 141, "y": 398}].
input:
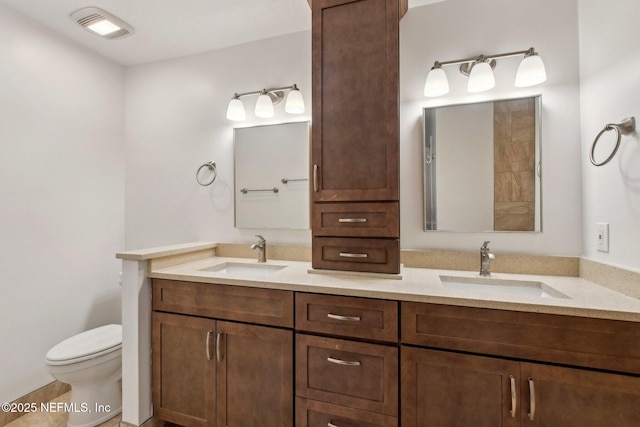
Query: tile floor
[{"x": 54, "y": 419}]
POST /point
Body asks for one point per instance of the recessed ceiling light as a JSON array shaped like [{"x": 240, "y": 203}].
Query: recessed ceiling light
[
  {"x": 102, "y": 23},
  {"x": 103, "y": 27}
]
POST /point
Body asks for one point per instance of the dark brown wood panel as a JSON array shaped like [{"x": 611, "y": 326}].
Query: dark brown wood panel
[
  {"x": 184, "y": 376},
  {"x": 403, "y": 6},
  {"x": 586, "y": 342},
  {"x": 255, "y": 376},
  {"x": 252, "y": 305},
  {"x": 311, "y": 413},
  {"x": 356, "y": 219},
  {"x": 348, "y": 373},
  {"x": 567, "y": 397},
  {"x": 366, "y": 318},
  {"x": 442, "y": 389},
  {"x": 355, "y": 136},
  {"x": 369, "y": 255}
]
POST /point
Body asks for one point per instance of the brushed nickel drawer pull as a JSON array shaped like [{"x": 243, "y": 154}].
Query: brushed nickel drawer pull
[
  {"x": 512, "y": 411},
  {"x": 218, "y": 354},
  {"x": 350, "y": 255},
  {"x": 208, "y": 344},
  {"x": 532, "y": 399},
  {"x": 339, "y": 317},
  {"x": 315, "y": 177},
  {"x": 351, "y": 220},
  {"x": 330, "y": 424},
  {"x": 343, "y": 362}
]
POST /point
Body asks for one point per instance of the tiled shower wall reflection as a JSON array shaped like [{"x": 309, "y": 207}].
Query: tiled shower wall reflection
[{"x": 514, "y": 164}]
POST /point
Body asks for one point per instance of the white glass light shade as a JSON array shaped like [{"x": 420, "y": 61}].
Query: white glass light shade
[
  {"x": 264, "y": 106},
  {"x": 295, "y": 102},
  {"x": 235, "y": 110},
  {"x": 481, "y": 78},
  {"x": 530, "y": 72},
  {"x": 437, "y": 83}
]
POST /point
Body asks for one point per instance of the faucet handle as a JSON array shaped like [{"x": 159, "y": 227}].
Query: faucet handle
[
  {"x": 262, "y": 240},
  {"x": 485, "y": 245}
]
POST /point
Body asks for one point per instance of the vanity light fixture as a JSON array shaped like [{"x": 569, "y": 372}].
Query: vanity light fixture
[
  {"x": 102, "y": 23},
  {"x": 479, "y": 69},
  {"x": 267, "y": 98}
]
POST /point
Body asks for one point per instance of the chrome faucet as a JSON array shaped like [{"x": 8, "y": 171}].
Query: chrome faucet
[
  {"x": 262, "y": 248},
  {"x": 485, "y": 259}
]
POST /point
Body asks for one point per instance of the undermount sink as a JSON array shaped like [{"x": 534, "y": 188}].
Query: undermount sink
[
  {"x": 488, "y": 285},
  {"x": 244, "y": 268}
]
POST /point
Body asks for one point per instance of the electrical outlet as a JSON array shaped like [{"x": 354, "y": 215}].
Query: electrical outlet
[{"x": 602, "y": 230}]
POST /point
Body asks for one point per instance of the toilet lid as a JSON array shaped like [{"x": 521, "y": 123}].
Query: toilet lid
[{"x": 86, "y": 344}]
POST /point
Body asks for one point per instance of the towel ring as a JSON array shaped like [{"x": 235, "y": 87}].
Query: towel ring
[
  {"x": 627, "y": 125},
  {"x": 212, "y": 167}
]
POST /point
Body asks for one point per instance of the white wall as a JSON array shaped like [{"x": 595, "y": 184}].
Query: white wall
[
  {"x": 610, "y": 91},
  {"x": 61, "y": 196},
  {"x": 176, "y": 121},
  {"x": 458, "y": 29}
]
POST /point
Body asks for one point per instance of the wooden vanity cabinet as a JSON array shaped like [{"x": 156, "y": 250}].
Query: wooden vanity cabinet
[
  {"x": 554, "y": 396},
  {"x": 442, "y": 389},
  {"x": 449, "y": 383},
  {"x": 216, "y": 372},
  {"x": 184, "y": 377},
  {"x": 355, "y": 136},
  {"x": 346, "y": 361}
]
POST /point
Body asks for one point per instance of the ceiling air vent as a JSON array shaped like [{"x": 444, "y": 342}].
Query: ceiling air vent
[{"x": 102, "y": 23}]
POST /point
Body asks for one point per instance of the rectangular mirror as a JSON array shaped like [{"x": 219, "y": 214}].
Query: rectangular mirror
[
  {"x": 482, "y": 166},
  {"x": 272, "y": 176}
]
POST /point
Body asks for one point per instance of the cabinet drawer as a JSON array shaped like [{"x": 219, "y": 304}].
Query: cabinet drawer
[
  {"x": 251, "y": 305},
  {"x": 310, "y": 413},
  {"x": 356, "y": 219},
  {"x": 348, "y": 373},
  {"x": 369, "y": 255},
  {"x": 347, "y": 316},
  {"x": 593, "y": 343}
]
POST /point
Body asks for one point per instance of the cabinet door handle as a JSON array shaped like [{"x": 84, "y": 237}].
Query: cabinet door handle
[
  {"x": 350, "y": 255},
  {"x": 351, "y": 220},
  {"x": 532, "y": 399},
  {"x": 343, "y": 362},
  {"x": 208, "y": 344},
  {"x": 315, "y": 177},
  {"x": 339, "y": 317},
  {"x": 218, "y": 354},
  {"x": 514, "y": 402}
]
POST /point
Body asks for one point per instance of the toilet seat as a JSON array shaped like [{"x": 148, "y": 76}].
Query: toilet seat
[{"x": 86, "y": 345}]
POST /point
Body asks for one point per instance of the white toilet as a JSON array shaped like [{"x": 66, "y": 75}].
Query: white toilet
[{"x": 91, "y": 362}]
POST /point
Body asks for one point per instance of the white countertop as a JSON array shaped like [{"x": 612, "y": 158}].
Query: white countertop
[{"x": 585, "y": 298}]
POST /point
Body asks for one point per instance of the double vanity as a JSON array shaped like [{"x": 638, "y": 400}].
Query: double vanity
[{"x": 238, "y": 342}]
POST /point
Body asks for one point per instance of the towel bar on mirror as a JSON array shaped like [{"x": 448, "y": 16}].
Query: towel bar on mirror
[{"x": 246, "y": 190}]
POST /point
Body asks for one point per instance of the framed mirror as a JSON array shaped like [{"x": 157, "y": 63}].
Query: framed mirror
[
  {"x": 272, "y": 176},
  {"x": 482, "y": 166}
]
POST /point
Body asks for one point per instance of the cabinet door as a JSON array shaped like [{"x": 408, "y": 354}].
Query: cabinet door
[
  {"x": 566, "y": 397},
  {"x": 443, "y": 389},
  {"x": 183, "y": 369},
  {"x": 355, "y": 138},
  {"x": 255, "y": 375}
]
